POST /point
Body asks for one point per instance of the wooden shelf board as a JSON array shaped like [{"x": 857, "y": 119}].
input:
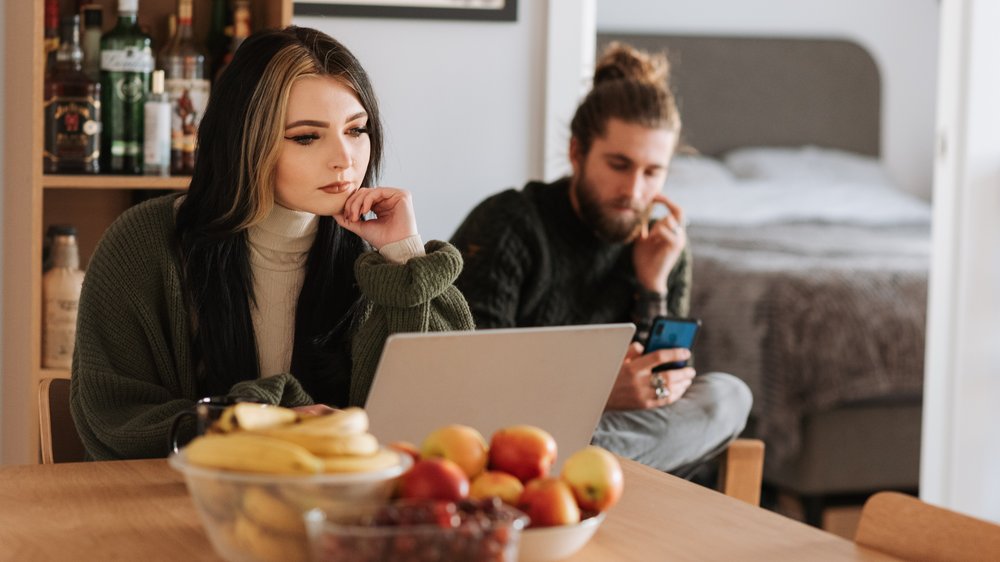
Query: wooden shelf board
[
  {"x": 115, "y": 182},
  {"x": 53, "y": 373}
]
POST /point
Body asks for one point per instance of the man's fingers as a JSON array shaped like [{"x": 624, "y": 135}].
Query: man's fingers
[{"x": 661, "y": 356}]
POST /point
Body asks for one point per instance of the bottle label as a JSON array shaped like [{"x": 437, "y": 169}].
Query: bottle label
[
  {"x": 72, "y": 130},
  {"x": 60, "y": 331},
  {"x": 188, "y": 99},
  {"x": 127, "y": 60}
]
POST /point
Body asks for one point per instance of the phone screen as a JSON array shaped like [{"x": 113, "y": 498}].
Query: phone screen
[{"x": 670, "y": 333}]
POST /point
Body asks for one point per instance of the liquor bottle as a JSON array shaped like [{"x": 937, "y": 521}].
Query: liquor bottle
[
  {"x": 93, "y": 20},
  {"x": 72, "y": 110},
  {"x": 219, "y": 35},
  {"x": 186, "y": 85},
  {"x": 126, "y": 65},
  {"x": 241, "y": 30},
  {"x": 61, "y": 287},
  {"x": 157, "y": 120},
  {"x": 51, "y": 32}
]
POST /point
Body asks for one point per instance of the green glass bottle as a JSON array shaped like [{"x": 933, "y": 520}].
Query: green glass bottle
[{"x": 126, "y": 66}]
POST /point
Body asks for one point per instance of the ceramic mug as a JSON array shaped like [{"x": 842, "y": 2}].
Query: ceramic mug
[{"x": 205, "y": 412}]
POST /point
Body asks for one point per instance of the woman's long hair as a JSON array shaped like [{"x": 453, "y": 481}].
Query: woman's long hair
[{"x": 232, "y": 188}]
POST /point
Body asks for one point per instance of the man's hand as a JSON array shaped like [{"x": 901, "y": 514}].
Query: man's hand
[
  {"x": 658, "y": 247},
  {"x": 633, "y": 389}
]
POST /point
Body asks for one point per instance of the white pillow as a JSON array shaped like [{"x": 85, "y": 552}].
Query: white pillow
[
  {"x": 805, "y": 165},
  {"x": 687, "y": 170}
]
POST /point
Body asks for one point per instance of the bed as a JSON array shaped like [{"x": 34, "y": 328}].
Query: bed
[{"x": 810, "y": 266}]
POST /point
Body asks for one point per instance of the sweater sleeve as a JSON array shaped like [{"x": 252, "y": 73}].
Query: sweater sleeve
[
  {"x": 679, "y": 286},
  {"x": 132, "y": 370},
  {"x": 497, "y": 260},
  {"x": 417, "y": 296}
]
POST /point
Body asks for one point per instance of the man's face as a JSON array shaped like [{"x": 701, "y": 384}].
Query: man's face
[{"x": 614, "y": 184}]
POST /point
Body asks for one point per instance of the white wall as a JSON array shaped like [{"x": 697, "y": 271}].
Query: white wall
[
  {"x": 901, "y": 35},
  {"x": 463, "y": 104},
  {"x": 960, "y": 456}
]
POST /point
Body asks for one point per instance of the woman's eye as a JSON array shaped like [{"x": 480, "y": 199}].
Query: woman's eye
[
  {"x": 357, "y": 131},
  {"x": 303, "y": 139}
]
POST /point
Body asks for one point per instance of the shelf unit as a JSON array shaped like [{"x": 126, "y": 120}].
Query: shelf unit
[{"x": 33, "y": 200}]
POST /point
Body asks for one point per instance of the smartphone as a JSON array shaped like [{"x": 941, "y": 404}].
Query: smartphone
[{"x": 670, "y": 333}]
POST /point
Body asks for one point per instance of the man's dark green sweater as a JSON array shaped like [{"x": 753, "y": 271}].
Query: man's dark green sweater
[{"x": 133, "y": 369}]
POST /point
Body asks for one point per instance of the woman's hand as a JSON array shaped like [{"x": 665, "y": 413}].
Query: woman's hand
[
  {"x": 658, "y": 247},
  {"x": 634, "y": 388},
  {"x": 393, "y": 209}
]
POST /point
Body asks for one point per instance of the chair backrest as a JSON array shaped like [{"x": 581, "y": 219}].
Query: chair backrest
[
  {"x": 60, "y": 440},
  {"x": 908, "y": 528},
  {"x": 742, "y": 469}
]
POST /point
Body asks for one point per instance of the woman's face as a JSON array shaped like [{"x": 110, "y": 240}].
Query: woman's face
[{"x": 324, "y": 154}]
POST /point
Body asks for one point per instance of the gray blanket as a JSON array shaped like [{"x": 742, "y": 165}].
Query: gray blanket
[{"x": 811, "y": 316}]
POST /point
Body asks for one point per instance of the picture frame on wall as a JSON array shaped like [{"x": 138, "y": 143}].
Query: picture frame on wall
[{"x": 485, "y": 10}]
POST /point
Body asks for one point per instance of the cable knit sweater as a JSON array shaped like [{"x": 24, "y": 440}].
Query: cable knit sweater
[
  {"x": 530, "y": 261},
  {"x": 132, "y": 366}
]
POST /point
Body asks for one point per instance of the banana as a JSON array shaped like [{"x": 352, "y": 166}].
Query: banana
[
  {"x": 272, "y": 513},
  {"x": 349, "y": 421},
  {"x": 383, "y": 459},
  {"x": 268, "y": 546},
  {"x": 324, "y": 444},
  {"x": 252, "y": 453},
  {"x": 250, "y": 416},
  {"x": 217, "y": 497}
]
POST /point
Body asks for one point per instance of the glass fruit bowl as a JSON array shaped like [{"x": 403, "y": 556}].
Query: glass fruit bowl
[
  {"x": 424, "y": 531},
  {"x": 258, "y": 517},
  {"x": 544, "y": 544}
]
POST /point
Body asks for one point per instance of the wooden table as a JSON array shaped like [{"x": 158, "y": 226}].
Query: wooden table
[{"x": 140, "y": 510}]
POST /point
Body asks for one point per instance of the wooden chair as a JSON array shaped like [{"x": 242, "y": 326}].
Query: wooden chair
[
  {"x": 60, "y": 440},
  {"x": 742, "y": 469},
  {"x": 906, "y": 527}
]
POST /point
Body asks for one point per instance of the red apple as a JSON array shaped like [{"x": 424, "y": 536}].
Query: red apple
[
  {"x": 525, "y": 451},
  {"x": 495, "y": 483},
  {"x": 461, "y": 444},
  {"x": 549, "y": 502},
  {"x": 407, "y": 448},
  {"x": 595, "y": 476},
  {"x": 434, "y": 479}
]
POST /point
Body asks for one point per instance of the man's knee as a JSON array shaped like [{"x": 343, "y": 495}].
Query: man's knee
[{"x": 731, "y": 398}]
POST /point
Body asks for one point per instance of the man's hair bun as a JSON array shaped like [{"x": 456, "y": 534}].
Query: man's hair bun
[{"x": 623, "y": 62}]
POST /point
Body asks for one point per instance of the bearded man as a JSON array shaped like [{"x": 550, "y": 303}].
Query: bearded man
[{"x": 583, "y": 250}]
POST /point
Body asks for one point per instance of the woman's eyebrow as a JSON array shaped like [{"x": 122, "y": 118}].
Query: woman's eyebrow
[
  {"x": 307, "y": 122},
  {"x": 357, "y": 115}
]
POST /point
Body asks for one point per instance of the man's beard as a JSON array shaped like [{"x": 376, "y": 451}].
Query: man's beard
[{"x": 608, "y": 226}]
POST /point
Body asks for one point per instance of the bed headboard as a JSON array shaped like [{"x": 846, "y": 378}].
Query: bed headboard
[{"x": 740, "y": 91}]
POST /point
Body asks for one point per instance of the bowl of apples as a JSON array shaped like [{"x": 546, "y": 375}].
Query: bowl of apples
[{"x": 455, "y": 463}]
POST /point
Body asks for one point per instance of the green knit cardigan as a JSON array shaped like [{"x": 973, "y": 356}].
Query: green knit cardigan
[{"x": 132, "y": 367}]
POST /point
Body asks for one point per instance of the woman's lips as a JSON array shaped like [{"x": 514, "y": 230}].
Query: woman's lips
[{"x": 337, "y": 187}]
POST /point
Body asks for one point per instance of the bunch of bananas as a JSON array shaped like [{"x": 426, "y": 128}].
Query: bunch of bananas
[
  {"x": 265, "y": 520},
  {"x": 274, "y": 440}
]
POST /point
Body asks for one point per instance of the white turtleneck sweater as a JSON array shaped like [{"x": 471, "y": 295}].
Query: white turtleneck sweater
[{"x": 279, "y": 246}]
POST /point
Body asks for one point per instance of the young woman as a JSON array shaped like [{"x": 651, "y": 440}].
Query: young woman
[{"x": 277, "y": 276}]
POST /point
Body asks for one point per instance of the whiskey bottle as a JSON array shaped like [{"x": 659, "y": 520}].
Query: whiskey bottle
[
  {"x": 126, "y": 64},
  {"x": 93, "y": 21},
  {"x": 187, "y": 87},
  {"x": 51, "y": 32},
  {"x": 241, "y": 30},
  {"x": 72, "y": 110}
]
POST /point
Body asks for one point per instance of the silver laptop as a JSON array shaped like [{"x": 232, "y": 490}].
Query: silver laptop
[{"x": 556, "y": 378}]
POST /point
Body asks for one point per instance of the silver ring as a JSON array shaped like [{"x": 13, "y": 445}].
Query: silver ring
[{"x": 656, "y": 381}]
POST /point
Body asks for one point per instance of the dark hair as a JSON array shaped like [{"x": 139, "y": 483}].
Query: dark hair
[
  {"x": 232, "y": 188},
  {"x": 629, "y": 85}
]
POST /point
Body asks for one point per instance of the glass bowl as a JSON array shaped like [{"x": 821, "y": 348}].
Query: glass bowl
[
  {"x": 544, "y": 544},
  {"x": 257, "y": 517},
  {"x": 418, "y": 531}
]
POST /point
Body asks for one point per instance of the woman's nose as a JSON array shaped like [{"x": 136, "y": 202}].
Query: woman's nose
[{"x": 340, "y": 157}]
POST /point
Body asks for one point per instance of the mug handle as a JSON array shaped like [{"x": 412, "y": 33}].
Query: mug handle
[{"x": 173, "y": 436}]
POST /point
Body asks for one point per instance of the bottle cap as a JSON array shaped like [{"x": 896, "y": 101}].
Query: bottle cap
[
  {"x": 70, "y": 26},
  {"x": 62, "y": 230},
  {"x": 129, "y": 6},
  {"x": 157, "y": 85},
  {"x": 93, "y": 15}
]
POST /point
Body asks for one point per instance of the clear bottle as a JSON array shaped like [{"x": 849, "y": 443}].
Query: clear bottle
[
  {"x": 93, "y": 21},
  {"x": 157, "y": 120},
  {"x": 126, "y": 65},
  {"x": 184, "y": 61},
  {"x": 72, "y": 109},
  {"x": 61, "y": 288}
]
